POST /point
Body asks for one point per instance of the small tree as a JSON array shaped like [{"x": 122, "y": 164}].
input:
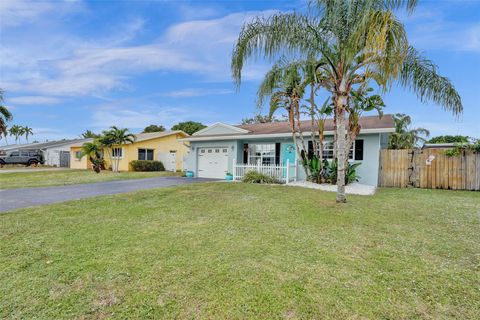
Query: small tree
[
  {"x": 405, "y": 137},
  {"x": 93, "y": 150},
  {"x": 153, "y": 128},
  {"x": 5, "y": 117},
  {"x": 189, "y": 127}
]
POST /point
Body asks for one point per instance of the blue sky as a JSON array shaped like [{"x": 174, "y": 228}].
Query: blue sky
[{"x": 68, "y": 66}]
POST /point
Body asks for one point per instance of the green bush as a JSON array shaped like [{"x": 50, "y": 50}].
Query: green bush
[
  {"x": 257, "y": 177},
  {"x": 331, "y": 172},
  {"x": 147, "y": 165}
]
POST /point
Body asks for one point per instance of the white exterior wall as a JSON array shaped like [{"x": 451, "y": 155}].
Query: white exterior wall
[{"x": 52, "y": 155}]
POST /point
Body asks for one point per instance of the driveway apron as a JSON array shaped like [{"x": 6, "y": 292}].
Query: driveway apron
[{"x": 12, "y": 199}]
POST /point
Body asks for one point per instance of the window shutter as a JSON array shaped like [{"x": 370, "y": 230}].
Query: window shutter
[
  {"x": 310, "y": 150},
  {"x": 358, "y": 149},
  {"x": 245, "y": 153},
  {"x": 277, "y": 153}
]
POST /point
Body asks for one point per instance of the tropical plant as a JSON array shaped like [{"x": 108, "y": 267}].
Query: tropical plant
[
  {"x": 16, "y": 131},
  {"x": 153, "y": 128},
  {"x": 116, "y": 137},
  {"x": 189, "y": 127},
  {"x": 5, "y": 117},
  {"x": 257, "y": 177},
  {"x": 354, "y": 42},
  {"x": 88, "y": 134},
  {"x": 93, "y": 150},
  {"x": 461, "y": 147},
  {"x": 404, "y": 136},
  {"x": 27, "y": 131},
  {"x": 331, "y": 169},
  {"x": 259, "y": 119},
  {"x": 449, "y": 139}
]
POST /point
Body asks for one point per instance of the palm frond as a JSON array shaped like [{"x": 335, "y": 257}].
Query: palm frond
[
  {"x": 420, "y": 75},
  {"x": 288, "y": 34}
]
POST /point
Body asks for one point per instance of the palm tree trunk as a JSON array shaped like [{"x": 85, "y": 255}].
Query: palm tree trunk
[{"x": 340, "y": 102}]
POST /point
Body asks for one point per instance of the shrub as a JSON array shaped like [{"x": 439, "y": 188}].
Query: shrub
[
  {"x": 331, "y": 172},
  {"x": 147, "y": 165},
  {"x": 257, "y": 177}
]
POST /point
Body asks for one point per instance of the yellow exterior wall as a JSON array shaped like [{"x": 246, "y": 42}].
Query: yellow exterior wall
[
  {"x": 75, "y": 163},
  {"x": 130, "y": 152}
]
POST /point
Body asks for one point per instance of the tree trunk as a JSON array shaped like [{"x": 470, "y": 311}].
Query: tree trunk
[{"x": 341, "y": 144}]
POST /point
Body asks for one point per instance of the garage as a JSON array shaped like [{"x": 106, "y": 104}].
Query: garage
[{"x": 212, "y": 162}]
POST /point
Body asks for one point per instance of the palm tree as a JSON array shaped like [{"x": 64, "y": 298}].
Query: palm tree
[
  {"x": 16, "y": 131},
  {"x": 283, "y": 84},
  {"x": 89, "y": 134},
  {"x": 27, "y": 131},
  {"x": 94, "y": 152},
  {"x": 355, "y": 42},
  {"x": 5, "y": 116},
  {"x": 116, "y": 137},
  {"x": 404, "y": 136}
]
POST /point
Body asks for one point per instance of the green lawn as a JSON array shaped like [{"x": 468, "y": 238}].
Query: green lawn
[
  {"x": 228, "y": 251},
  {"x": 13, "y": 180}
]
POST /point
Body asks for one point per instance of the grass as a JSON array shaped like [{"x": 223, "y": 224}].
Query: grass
[
  {"x": 13, "y": 180},
  {"x": 230, "y": 251}
]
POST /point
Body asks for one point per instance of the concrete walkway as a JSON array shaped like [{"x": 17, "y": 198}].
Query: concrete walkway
[{"x": 12, "y": 199}]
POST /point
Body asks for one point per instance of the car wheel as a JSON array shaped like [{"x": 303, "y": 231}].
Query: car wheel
[{"x": 32, "y": 163}]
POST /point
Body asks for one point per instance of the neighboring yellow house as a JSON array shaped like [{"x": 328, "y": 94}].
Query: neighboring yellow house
[{"x": 160, "y": 146}]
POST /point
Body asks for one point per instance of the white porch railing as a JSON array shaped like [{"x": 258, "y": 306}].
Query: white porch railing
[{"x": 281, "y": 172}]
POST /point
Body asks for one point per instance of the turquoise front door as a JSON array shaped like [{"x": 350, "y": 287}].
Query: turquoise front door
[{"x": 288, "y": 153}]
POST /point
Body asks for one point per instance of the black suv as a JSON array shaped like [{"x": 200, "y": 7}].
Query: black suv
[{"x": 26, "y": 157}]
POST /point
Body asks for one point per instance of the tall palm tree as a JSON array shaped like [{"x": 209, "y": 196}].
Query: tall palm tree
[
  {"x": 406, "y": 137},
  {"x": 116, "y": 137},
  {"x": 5, "y": 116},
  {"x": 27, "y": 131},
  {"x": 355, "y": 42},
  {"x": 16, "y": 131}
]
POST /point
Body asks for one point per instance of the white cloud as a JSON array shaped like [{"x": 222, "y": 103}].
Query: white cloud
[
  {"x": 82, "y": 68},
  {"x": 430, "y": 29},
  {"x": 197, "y": 92},
  {"x": 17, "y": 12},
  {"x": 34, "y": 100}
]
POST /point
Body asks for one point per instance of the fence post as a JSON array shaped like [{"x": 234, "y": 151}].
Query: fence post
[
  {"x": 288, "y": 173},
  {"x": 234, "y": 169}
]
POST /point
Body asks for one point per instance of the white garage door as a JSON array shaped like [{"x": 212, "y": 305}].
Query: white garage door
[{"x": 212, "y": 162}]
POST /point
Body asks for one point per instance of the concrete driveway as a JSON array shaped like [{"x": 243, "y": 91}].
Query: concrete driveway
[{"x": 27, "y": 197}]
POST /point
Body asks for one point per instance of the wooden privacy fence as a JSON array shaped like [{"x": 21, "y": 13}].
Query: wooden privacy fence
[{"x": 429, "y": 168}]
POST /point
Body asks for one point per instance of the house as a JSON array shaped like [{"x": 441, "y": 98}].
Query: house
[
  {"x": 216, "y": 149},
  {"x": 161, "y": 146},
  {"x": 55, "y": 153}
]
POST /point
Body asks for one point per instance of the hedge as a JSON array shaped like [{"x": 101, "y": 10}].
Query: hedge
[{"x": 147, "y": 165}]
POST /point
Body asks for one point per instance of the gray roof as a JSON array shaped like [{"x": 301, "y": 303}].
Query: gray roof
[{"x": 41, "y": 145}]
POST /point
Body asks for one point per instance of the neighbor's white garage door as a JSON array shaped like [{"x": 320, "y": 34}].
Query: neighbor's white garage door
[{"x": 212, "y": 162}]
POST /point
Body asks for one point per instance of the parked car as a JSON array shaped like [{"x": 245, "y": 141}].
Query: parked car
[{"x": 26, "y": 157}]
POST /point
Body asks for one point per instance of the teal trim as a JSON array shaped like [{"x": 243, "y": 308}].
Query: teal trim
[{"x": 288, "y": 153}]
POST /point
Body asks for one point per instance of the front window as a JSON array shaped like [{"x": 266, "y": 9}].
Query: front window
[
  {"x": 261, "y": 154},
  {"x": 145, "y": 154},
  {"x": 117, "y": 152},
  {"x": 328, "y": 150},
  {"x": 78, "y": 155}
]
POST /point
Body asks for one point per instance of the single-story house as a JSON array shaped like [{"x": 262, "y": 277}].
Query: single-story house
[
  {"x": 55, "y": 153},
  {"x": 215, "y": 150},
  {"x": 161, "y": 146}
]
